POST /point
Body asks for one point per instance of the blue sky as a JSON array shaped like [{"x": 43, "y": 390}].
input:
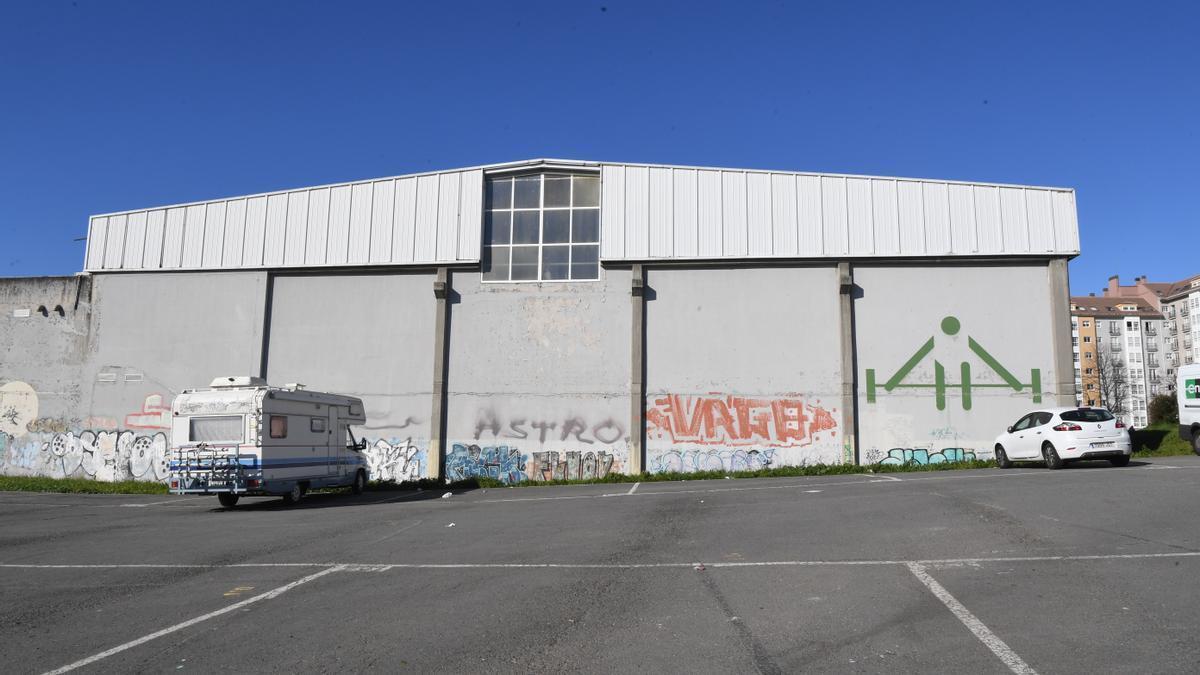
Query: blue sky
[{"x": 107, "y": 106}]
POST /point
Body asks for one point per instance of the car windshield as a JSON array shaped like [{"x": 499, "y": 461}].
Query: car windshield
[{"x": 1086, "y": 415}]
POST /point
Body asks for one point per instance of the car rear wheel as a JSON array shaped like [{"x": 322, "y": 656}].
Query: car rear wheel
[
  {"x": 1053, "y": 461},
  {"x": 1123, "y": 460},
  {"x": 360, "y": 482},
  {"x": 228, "y": 500},
  {"x": 1002, "y": 459},
  {"x": 295, "y": 495}
]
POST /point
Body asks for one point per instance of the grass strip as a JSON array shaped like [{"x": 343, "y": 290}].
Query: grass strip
[
  {"x": 80, "y": 485},
  {"x": 1159, "y": 440}
]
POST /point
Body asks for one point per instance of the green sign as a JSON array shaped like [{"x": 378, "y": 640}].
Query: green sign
[
  {"x": 1191, "y": 389},
  {"x": 951, "y": 326}
]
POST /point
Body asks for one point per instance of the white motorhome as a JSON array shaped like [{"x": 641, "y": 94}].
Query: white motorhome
[
  {"x": 1187, "y": 392},
  {"x": 242, "y": 437}
]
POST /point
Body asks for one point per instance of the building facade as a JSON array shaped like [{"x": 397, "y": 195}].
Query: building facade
[{"x": 561, "y": 319}]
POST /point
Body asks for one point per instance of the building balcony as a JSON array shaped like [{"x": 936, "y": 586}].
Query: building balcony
[
  {"x": 1151, "y": 332},
  {"x": 1151, "y": 347},
  {"x": 1115, "y": 347}
]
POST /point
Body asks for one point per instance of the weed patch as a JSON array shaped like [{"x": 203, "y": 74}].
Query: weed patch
[{"x": 1159, "y": 440}]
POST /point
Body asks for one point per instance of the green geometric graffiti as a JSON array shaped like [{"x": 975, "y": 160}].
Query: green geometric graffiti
[{"x": 951, "y": 326}]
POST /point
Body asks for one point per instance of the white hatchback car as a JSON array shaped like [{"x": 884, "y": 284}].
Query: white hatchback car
[{"x": 1060, "y": 435}]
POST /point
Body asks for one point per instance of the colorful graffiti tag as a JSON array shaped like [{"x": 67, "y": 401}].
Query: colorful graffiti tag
[
  {"x": 687, "y": 461},
  {"x": 736, "y": 420},
  {"x": 921, "y": 456},
  {"x": 500, "y": 462}
]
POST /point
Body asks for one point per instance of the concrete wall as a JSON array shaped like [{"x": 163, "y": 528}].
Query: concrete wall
[
  {"x": 743, "y": 368},
  {"x": 369, "y": 336},
  {"x": 538, "y": 380},
  {"x": 108, "y": 372},
  {"x": 743, "y": 364},
  {"x": 916, "y": 326}
]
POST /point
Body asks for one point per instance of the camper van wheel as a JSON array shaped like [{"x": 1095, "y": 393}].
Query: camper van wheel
[
  {"x": 1196, "y": 440},
  {"x": 360, "y": 482},
  {"x": 227, "y": 499},
  {"x": 295, "y": 495}
]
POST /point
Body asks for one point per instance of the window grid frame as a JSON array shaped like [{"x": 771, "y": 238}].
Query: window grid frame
[{"x": 512, "y": 210}]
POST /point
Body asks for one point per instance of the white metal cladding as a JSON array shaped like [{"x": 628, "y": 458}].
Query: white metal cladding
[
  {"x": 420, "y": 219},
  {"x": 665, "y": 212},
  {"x": 646, "y": 212}
]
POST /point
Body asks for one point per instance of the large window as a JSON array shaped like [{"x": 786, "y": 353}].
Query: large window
[{"x": 543, "y": 227}]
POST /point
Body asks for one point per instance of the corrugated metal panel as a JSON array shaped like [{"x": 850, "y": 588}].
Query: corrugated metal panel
[
  {"x": 987, "y": 219},
  {"x": 1041, "y": 220},
  {"x": 661, "y": 210},
  {"x": 708, "y": 216},
  {"x": 256, "y": 232},
  {"x": 339, "y": 226},
  {"x": 214, "y": 234},
  {"x": 447, "y": 216},
  {"x": 1066, "y": 229},
  {"x": 859, "y": 217},
  {"x": 612, "y": 210},
  {"x": 425, "y": 239},
  {"x": 833, "y": 214},
  {"x": 784, "y": 234},
  {"x": 172, "y": 257},
  {"x": 936, "y": 204},
  {"x": 404, "y": 220},
  {"x": 382, "y": 214},
  {"x": 684, "y": 191},
  {"x": 885, "y": 215},
  {"x": 114, "y": 242},
  {"x": 758, "y": 215},
  {"x": 235, "y": 232},
  {"x": 156, "y": 224},
  {"x": 962, "y": 218},
  {"x": 316, "y": 238},
  {"x": 733, "y": 209},
  {"x": 808, "y": 216},
  {"x": 1014, "y": 225},
  {"x": 135, "y": 241},
  {"x": 910, "y": 207},
  {"x": 296, "y": 230},
  {"x": 193, "y": 236},
  {"x": 470, "y": 215},
  {"x": 637, "y": 212}
]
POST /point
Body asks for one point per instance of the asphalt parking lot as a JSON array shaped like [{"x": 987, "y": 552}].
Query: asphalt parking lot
[{"x": 1089, "y": 569}]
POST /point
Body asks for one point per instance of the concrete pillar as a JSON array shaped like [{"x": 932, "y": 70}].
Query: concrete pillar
[
  {"x": 437, "y": 418},
  {"x": 637, "y": 368},
  {"x": 1060, "y": 331},
  {"x": 849, "y": 398}
]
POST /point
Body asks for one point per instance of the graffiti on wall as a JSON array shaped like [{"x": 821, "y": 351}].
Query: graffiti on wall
[
  {"x": 568, "y": 428},
  {"x": 737, "y": 420},
  {"x": 950, "y": 327},
  {"x": 507, "y": 463},
  {"x": 687, "y": 461},
  {"x": 569, "y": 465},
  {"x": 395, "y": 460},
  {"x": 920, "y": 456},
  {"x": 18, "y": 407},
  {"x": 500, "y": 462}
]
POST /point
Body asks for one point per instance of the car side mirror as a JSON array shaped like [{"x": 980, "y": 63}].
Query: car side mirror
[
  {"x": 362, "y": 445},
  {"x": 1010, "y": 430}
]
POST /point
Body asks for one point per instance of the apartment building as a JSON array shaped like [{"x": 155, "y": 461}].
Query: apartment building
[
  {"x": 1111, "y": 335},
  {"x": 1179, "y": 303}
]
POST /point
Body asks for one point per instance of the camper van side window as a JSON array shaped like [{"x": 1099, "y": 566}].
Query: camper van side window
[
  {"x": 278, "y": 426},
  {"x": 316, "y": 424}
]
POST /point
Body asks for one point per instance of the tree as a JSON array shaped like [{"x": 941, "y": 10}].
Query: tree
[
  {"x": 1114, "y": 382},
  {"x": 1164, "y": 408}
]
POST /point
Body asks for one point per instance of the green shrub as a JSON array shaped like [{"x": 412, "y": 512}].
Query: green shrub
[{"x": 1164, "y": 408}]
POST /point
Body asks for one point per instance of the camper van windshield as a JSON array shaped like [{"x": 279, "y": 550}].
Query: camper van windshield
[{"x": 223, "y": 429}]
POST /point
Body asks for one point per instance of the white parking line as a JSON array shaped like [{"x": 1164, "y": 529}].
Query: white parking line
[
  {"x": 191, "y": 622},
  {"x": 986, "y": 636},
  {"x": 634, "y": 488},
  {"x": 933, "y": 562}
]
